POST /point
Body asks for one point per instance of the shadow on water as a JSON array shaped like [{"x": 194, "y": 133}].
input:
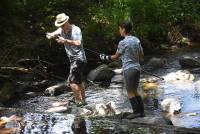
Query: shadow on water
[{"x": 37, "y": 121}]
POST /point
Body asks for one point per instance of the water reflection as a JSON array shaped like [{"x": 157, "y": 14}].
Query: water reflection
[{"x": 79, "y": 126}]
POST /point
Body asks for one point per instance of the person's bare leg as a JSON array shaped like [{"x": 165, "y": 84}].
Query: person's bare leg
[
  {"x": 78, "y": 92},
  {"x": 132, "y": 93},
  {"x": 83, "y": 91}
]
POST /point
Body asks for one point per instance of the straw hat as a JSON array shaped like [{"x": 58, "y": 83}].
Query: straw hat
[{"x": 61, "y": 19}]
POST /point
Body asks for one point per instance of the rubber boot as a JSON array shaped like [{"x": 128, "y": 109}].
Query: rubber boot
[
  {"x": 141, "y": 106},
  {"x": 136, "y": 109}
]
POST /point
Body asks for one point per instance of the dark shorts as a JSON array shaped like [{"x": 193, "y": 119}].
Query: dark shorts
[
  {"x": 131, "y": 78},
  {"x": 76, "y": 72}
]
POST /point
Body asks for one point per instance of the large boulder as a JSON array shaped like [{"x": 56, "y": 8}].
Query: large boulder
[
  {"x": 180, "y": 75},
  {"x": 189, "y": 62},
  {"x": 100, "y": 74}
]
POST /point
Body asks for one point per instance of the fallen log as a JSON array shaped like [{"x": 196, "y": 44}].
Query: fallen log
[{"x": 33, "y": 62}]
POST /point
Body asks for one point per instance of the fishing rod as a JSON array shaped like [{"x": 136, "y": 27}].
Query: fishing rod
[
  {"x": 92, "y": 51},
  {"x": 142, "y": 69},
  {"x": 152, "y": 74}
]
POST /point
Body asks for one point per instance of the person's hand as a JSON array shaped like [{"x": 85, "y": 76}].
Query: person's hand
[
  {"x": 104, "y": 57},
  {"x": 49, "y": 35},
  {"x": 60, "y": 40}
]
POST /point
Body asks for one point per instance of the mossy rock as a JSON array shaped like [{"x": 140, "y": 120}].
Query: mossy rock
[{"x": 150, "y": 86}]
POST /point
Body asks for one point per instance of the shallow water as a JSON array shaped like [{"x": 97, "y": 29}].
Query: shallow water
[{"x": 38, "y": 121}]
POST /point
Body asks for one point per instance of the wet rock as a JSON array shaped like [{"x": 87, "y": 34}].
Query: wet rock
[
  {"x": 155, "y": 63},
  {"x": 189, "y": 62},
  {"x": 179, "y": 75},
  {"x": 151, "y": 120},
  {"x": 195, "y": 70},
  {"x": 57, "y": 104},
  {"x": 31, "y": 94},
  {"x": 57, "y": 89},
  {"x": 86, "y": 112},
  {"x": 117, "y": 79},
  {"x": 100, "y": 109},
  {"x": 101, "y": 74},
  {"x": 171, "y": 105},
  {"x": 115, "y": 64},
  {"x": 192, "y": 114},
  {"x": 108, "y": 109},
  {"x": 118, "y": 71},
  {"x": 7, "y": 128}
]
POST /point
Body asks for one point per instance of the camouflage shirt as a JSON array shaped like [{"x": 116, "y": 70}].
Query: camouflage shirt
[{"x": 130, "y": 50}]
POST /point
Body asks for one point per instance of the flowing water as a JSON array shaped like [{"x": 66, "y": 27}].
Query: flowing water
[{"x": 37, "y": 121}]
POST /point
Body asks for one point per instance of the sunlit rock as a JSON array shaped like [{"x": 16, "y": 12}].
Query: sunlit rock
[
  {"x": 171, "y": 106},
  {"x": 118, "y": 71},
  {"x": 57, "y": 104},
  {"x": 179, "y": 75},
  {"x": 192, "y": 114},
  {"x": 11, "y": 118},
  {"x": 106, "y": 109},
  {"x": 4, "y": 121},
  {"x": 57, "y": 89},
  {"x": 100, "y": 109},
  {"x": 86, "y": 112},
  {"x": 59, "y": 109}
]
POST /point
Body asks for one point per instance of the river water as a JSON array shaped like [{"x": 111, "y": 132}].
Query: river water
[{"x": 37, "y": 121}]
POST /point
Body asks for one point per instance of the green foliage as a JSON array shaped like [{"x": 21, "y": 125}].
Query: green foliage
[{"x": 25, "y": 22}]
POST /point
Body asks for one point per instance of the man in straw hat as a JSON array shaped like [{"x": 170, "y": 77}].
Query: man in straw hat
[{"x": 71, "y": 37}]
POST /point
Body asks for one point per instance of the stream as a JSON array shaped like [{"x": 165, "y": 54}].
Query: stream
[{"x": 37, "y": 121}]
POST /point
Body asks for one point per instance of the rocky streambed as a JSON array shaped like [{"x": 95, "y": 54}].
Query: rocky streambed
[{"x": 179, "y": 84}]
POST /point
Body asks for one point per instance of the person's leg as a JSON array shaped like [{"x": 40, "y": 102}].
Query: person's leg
[
  {"x": 141, "y": 104},
  {"x": 75, "y": 79},
  {"x": 132, "y": 77},
  {"x": 78, "y": 92}
]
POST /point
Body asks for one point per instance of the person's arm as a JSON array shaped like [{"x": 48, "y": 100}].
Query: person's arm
[
  {"x": 115, "y": 56},
  {"x": 110, "y": 57},
  {"x": 61, "y": 40},
  {"x": 77, "y": 38},
  {"x": 53, "y": 34}
]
